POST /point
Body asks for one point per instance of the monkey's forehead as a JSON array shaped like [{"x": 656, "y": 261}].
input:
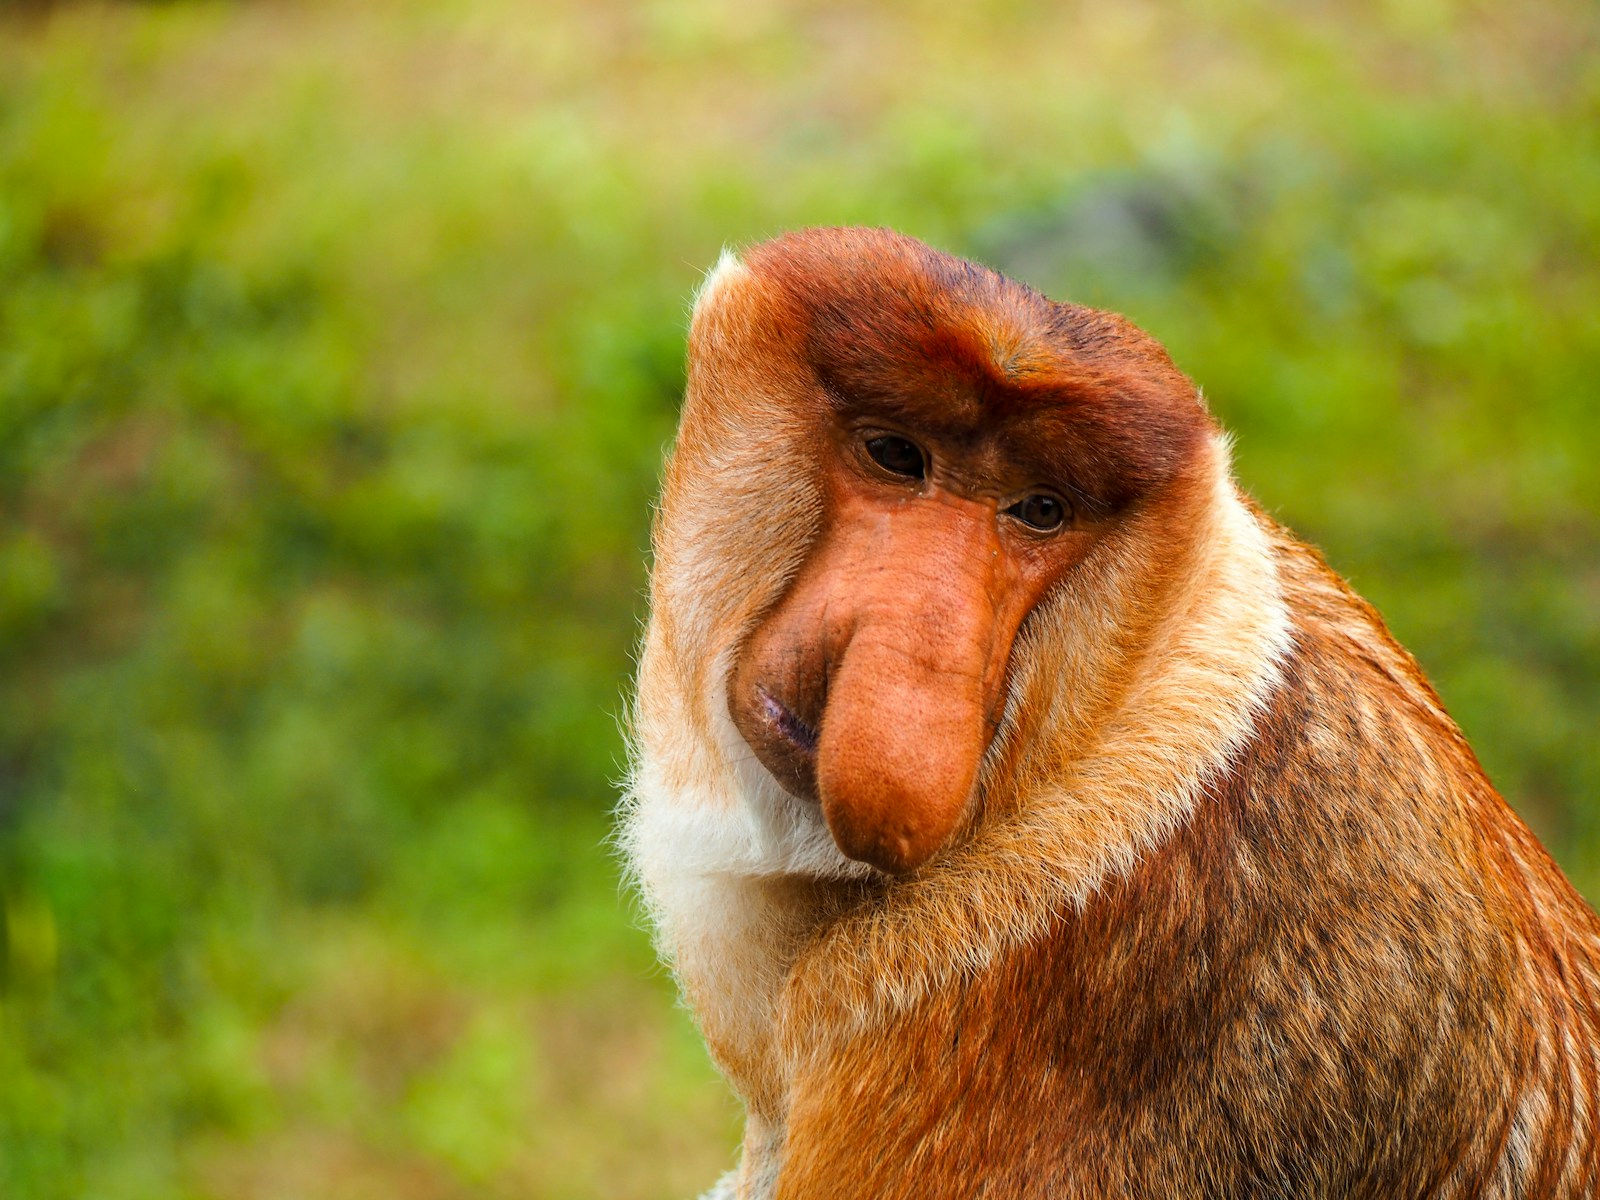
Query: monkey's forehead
[
  {"x": 890, "y": 325},
  {"x": 886, "y": 291}
]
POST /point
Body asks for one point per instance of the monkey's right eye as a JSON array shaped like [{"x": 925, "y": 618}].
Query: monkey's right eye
[{"x": 898, "y": 456}]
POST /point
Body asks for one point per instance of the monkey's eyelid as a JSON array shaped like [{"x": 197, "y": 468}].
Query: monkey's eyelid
[{"x": 1080, "y": 501}]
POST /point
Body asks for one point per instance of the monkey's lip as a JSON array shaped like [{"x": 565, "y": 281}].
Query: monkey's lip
[
  {"x": 785, "y": 724},
  {"x": 783, "y": 742}
]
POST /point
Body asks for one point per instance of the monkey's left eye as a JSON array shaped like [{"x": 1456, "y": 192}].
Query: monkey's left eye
[
  {"x": 1039, "y": 511},
  {"x": 897, "y": 455}
]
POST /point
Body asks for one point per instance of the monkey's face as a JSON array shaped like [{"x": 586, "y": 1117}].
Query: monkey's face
[
  {"x": 889, "y": 462},
  {"x": 953, "y": 446},
  {"x": 876, "y": 684}
]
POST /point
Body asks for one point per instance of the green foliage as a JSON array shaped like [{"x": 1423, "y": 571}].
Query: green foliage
[{"x": 338, "y": 347}]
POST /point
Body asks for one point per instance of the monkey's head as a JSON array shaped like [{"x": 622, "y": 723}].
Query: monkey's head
[{"x": 895, "y": 469}]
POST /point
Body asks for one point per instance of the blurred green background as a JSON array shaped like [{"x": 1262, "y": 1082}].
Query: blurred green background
[{"x": 339, "y": 342}]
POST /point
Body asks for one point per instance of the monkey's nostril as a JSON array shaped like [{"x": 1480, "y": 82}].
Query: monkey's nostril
[{"x": 789, "y": 726}]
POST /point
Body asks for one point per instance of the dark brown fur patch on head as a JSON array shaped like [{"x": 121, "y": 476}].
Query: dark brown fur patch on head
[{"x": 894, "y": 328}]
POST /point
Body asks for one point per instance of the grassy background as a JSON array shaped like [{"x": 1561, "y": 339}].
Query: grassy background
[{"x": 338, "y": 345}]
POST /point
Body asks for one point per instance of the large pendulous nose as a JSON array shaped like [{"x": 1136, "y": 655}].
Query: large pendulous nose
[
  {"x": 872, "y": 684},
  {"x": 906, "y": 720}
]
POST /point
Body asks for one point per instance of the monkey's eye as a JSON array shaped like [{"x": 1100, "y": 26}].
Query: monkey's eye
[
  {"x": 897, "y": 455},
  {"x": 1039, "y": 511}
]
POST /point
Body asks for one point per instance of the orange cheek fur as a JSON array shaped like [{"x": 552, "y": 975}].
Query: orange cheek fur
[{"x": 1232, "y": 911}]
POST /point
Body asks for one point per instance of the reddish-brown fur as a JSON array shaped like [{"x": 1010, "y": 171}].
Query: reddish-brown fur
[
  {"x": 1310, "y": 952},
  {"x": 1331, "y": 983}
]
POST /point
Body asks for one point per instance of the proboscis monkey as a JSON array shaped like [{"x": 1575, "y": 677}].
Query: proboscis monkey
[{"x": 1026, "y": 814}]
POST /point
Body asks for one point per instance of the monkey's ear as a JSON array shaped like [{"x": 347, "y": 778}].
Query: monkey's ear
[
  {"x": 743, "y": 335},
  {"x": 719, "y": 281}
]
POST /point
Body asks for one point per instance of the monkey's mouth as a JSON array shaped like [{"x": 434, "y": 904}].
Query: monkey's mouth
[
  {"x": 784, "y": 741},
  {"x": 788, "y": 726}
]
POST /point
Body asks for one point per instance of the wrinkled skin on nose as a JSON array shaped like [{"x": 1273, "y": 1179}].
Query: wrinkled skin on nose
[{"x": 874, "y": 686}]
